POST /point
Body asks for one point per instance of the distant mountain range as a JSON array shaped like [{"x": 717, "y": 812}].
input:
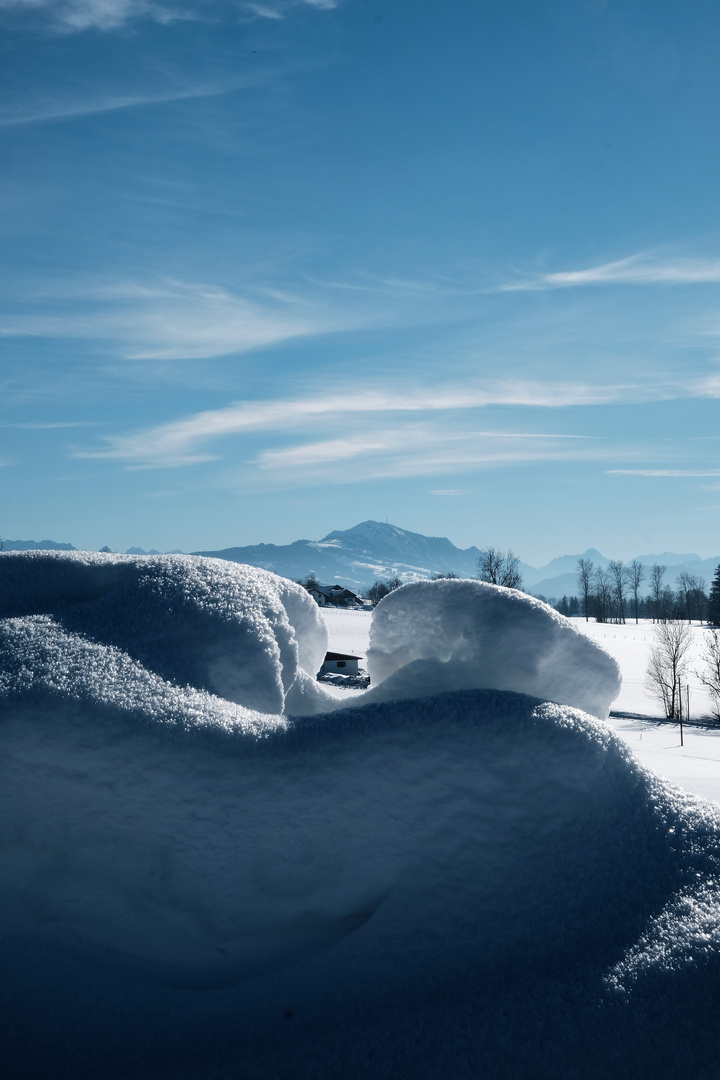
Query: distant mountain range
[
  {"x": 356, "y": 557},
  {"x": 374, "y": 549},
  {"x": 35, "y": 545}
]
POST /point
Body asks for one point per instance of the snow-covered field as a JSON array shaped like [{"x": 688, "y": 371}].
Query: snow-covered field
[
  {"x": 635, "y": 717},
  {"x": 210, "y": 868}
]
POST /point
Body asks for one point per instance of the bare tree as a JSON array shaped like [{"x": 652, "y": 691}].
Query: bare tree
[
  {"x": 616, "y": 569},
  {"x": 584, "y": 569},
  {"x": 309, "y": 582},
  {"x": 634, "y": 573},
  {"x": 697, "y": 596},
  {"x": 377, "y": 590},
  {"x": 657, "y": 574},
  {"x": 499, "y": 568},
  {"x": 684, "y": 582},
  {"x": 710, "y": 677},
  {"x": 691, "y": 594},
  {"x": 603, "y": 592},
  {"x": 668, "y": 664}
]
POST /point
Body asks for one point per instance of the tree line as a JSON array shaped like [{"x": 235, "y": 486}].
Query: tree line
[{"x": 612, "y": 594}]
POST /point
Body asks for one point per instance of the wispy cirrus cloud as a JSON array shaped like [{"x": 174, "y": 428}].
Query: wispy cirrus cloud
[
  {"x": 185, "y": 441},
  {"x": 44, "y": 111},
  {"x": 419, "y": 449},
  {"x": 177, "y": 442},
  {"x": 57, "y": 424},
  {"x": 74, "y": 16},
  {"x": 679, "y": 473},
  {"x": 171, "y": 320},
  {"x": 77, "y": 15},
  {"x": 640, "y": 269}
]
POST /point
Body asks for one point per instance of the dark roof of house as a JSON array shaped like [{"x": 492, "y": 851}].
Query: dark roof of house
[
  {"x": 334, "y": 590},
  {"x": 342, "y": 656}
]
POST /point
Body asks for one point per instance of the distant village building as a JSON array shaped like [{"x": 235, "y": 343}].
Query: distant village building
[
  {"x": 333, "y": 596},
  {"x": 340, "y": 663}
]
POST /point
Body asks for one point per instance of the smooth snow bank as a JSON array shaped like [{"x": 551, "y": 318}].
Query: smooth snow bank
[
  {"x": 434, "y": 636},
  {"x": 475, "y": 877},
  {"x": 234, "y": 631},
  {"x": 201, "y": 854}
]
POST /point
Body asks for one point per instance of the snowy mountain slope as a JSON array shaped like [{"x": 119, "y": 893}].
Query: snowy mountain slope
[
  {"x": 375, "y": 549},
  {"x": 358, "y": 555}
]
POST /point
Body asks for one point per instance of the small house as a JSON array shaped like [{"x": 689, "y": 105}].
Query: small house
[
  {"x": 333, "y": 596},
  {"x": 340, "y": 663}
]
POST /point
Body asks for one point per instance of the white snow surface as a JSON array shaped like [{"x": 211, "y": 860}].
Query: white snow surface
[
  {"x": 243, "y": 634},
  {"x": 432, "y": 636},
  {"x": 471, "y": 883}
]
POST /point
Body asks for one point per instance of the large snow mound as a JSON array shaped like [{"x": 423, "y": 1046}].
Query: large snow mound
[
  {"x": 234, "y": 631},
  {"x": 475, "y": 877},
  {"x": 194, "y": 882},
  {"x": 435, "y": 636}
]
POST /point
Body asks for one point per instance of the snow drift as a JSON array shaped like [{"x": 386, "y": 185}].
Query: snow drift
[
  {"x": 450, "y": 635},
  {"x": 241, "y": 633},
  {"x": 472, "y": 883}
]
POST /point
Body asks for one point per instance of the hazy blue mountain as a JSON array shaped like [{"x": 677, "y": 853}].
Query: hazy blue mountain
[
  {"x": 358, "y": 555},
  {"x": 375, "y": 549},
  {"x": 566, "y": 584},
  {"x": 152, "y": 551},
  {"x": 36, "y": 545},
  {"x": 562, "y": 565}
]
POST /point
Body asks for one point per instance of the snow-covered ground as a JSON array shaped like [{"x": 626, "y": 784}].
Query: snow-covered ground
[
  {"x": 210, "y": 868},
  {"x": 630, "y": 645},
  {"x": 695, "y": 765},
  {"x": 349, "y": 631}
]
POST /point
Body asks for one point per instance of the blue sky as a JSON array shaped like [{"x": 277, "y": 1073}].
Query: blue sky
[{"x": 274, "y": 268}]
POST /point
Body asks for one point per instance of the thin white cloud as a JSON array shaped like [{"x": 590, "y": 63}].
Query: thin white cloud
[
  {"x": 76, "y": 16},
  {"x": 640, "y": 269},
  {"x": 173, "y": 320},
  {"x": 45, "y": 112},
  {"x": 180, "y": 442},
  {"x": 264, "y": 11},
  {"x": 56, "y": 424},
  {"x": 425, "y": 449},
  {"x": 332, "y": 450},
  {"x": 665, "y": 472},
  {"x": 707, "y": 387},
  {"x": 450, "y": 491}
]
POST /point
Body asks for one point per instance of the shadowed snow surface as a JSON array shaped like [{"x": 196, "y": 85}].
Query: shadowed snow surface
[{"x": 475, "y": 883}]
